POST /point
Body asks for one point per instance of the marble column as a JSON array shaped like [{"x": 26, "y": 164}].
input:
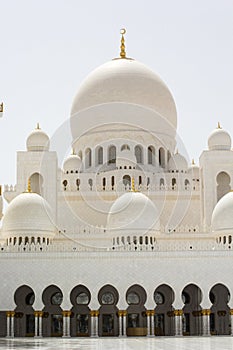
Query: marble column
[
  {"x": 206, "y": 322},
  {"x": 64, "y": 321},
  {"x": 152, "y": 322},
  {"x": 94, "y": 323},
  {"x": 40, "y": 315},
  {"x": 68, "y": 323},
  {"x": 12, "y": 325},
  {"x": 36, "y": 315},
  {"x": 148, "y": 323},
  {"x": 124, "y": 314},
  {"x": 178, "y": 322},
  {"x": 120, "y": 314},
  {"x": 231, "y": 317},
  {"x": 8, "y": 324}
]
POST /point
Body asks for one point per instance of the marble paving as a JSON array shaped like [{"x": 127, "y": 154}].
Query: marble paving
[{"x": 187, "y": 343}]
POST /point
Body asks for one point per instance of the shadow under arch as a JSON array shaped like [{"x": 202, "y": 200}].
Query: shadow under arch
[
  {"x": 52, "y": 325},
  {"x": 164, "y": 297},
  {"x": 80, "y": 322},
  {"x": 136, "y": 312},
  {"x": 108, "y": 297},
  {"x": 192, "y": 321},
  {"x": 24, "y": 325},
  {"x": 220, "y": 311}
]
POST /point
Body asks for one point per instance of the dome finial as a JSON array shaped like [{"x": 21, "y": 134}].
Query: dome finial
[
  {"x": 133, "y": 185},
  {"x": 29, "y": 190},
  {"x": 193, "y": 163},
  {"x": 37, "y": 126},
  {"x": 1, "y": 107},
  {"x": 73, "y": 151},
  {"x": 123, "y": 53},
  {"x": 219, "y": 126}
]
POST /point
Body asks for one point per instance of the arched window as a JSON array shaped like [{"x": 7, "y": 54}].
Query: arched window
[
  {"x": 125, "y": 147},
  {"x": 90, "y": 182},
  {"x": 112, "y": 182},
  {"x": 151, "y": 155},
  {"x": 112, "y": 155},
  {"x": 138, "y": 154},
  {"x": 99, "y": 156},
  {"x": 80, "y": 154},
  {"x": 173, "y": 183},
  {"x": 223, "y": 184},
  {"x": 139, "y": 180},
  {"x": 88, "y": 158},
  {"x": 37, "y": 180},
  {"x": 186, "y": 184},
  {"x": 104, "y": 183},
  {"x": 161, "y": 182},
  {"x": 78, "y": 184},
  {"x": 127, "y": 180},
  {"x": 65, "y": 183},
  {"x": 162, "y": 157}
]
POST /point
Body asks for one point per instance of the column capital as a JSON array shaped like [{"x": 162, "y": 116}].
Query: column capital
[
  {"x": 66, "y": 313},
  {"x": 205, "y": 312},
  {"x": 94, "y": 313},
  {"x": 124, "y": 312},
  {"x": 231, "y": 311},
  {"x": 178, "y": 312},
  {"x": 40, "y": 313}
]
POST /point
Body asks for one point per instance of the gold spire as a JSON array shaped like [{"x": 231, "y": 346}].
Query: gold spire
[
  {"x": 29, "y": 190},
  {"x": 193, "y": 163},
  {"x": 73, "y": 151},
  {"x": 38, "y": 126},
  {"x": 133, "y": 185},
  {"x": 219, "y": 126},
  {"x": 123, "y": 53},
  {"x": 1, "y": 107}
]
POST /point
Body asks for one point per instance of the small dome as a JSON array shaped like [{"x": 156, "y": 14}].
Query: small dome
[
  {"x": 72, "y": 163},
  {"x": 38, "y": 140},
  {"x": 222, "y": 217},
  {"x": 194, "y": 170},
  {"x": 219, "y": 139},
  {"x": 177, "y": 162},
  {"x": 28, "y": 215},
  {"x": 134, "y": 213}
]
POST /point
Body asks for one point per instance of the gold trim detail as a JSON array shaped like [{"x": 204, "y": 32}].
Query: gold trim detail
[
  {"x": 29, "y": 189},
  {"x": 1, "y": 107}
]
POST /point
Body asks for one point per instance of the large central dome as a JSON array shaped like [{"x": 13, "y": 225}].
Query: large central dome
[
  {"x": 124, "y": 91},
  {"x": 128, "y": 81}
]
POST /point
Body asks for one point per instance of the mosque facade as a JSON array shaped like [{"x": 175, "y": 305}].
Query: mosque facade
[{"x": 128, "y": 237}]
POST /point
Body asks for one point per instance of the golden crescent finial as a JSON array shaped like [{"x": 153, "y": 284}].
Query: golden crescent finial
[
  {"x": 219, "y": 126},
  {"x": 123, "y": 53},
  {"x": 38, "y": 126}
]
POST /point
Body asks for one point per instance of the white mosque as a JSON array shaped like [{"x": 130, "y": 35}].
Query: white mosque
[{"x": 127, "y": 238}]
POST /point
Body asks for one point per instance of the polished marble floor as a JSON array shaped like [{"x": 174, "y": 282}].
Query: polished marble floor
[{"x": 187, "y": 343}]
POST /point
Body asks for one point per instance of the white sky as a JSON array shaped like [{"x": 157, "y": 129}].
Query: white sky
[{"x": 49, "y": 46}]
